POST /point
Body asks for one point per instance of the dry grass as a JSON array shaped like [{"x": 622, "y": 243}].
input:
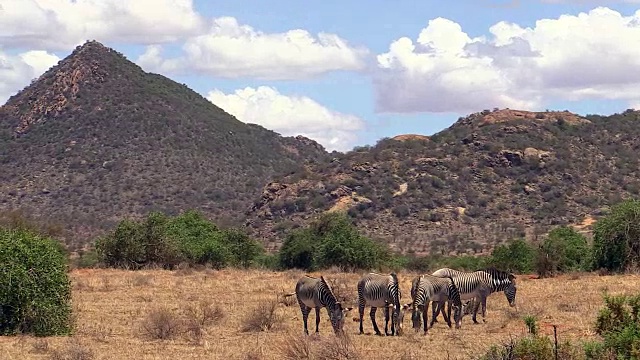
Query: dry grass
[{"x": 209, "y": 310}]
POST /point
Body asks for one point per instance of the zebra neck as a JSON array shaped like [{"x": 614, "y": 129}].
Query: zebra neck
[{"x": 500, "y": 284}]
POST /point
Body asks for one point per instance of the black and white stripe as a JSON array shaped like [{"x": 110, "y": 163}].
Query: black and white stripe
[
  {"x": 316, "y": 293},
  {"x": 378, "y": 290},
  {"x": 425, "y": 288},
  {"x": 480, "y": 284}
]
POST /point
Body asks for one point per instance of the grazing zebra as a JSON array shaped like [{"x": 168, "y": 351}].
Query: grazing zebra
[
  {"x": 438, "y": 289},
  {"x": 377, "y": 290},
  {"x": 316, "y": 293},
  {"x": 479, "y": 285}
]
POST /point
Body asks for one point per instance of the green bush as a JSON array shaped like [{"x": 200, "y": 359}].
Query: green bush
[
  {"x": 134, "y": 245},
  {"x": 332, "y": 240},
  {"x": 167, "y": 241},
  {"x": 562, "y": 251},
  {"x": 616, "y": 238},
  {"x": 619, "y": 324},
  {"x": 199, "y": 240},
  {"x": 35, "y": 291},
  {"x": 244, "y": 250},
  {"x": 298, "y": 250},
  {"x": 516, "y": 256}
]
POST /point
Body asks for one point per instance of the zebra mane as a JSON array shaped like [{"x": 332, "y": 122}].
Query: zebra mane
[
  {"x": 497, "y": 273},
  {"x": 395, "y": 277}
]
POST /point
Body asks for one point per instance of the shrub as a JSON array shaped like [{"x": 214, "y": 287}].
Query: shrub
[
  {"x": 516, "y": 256},
  {"x": 163, "y": 241},
  {"x": 162, "y": 324},
  {"x": 135, "y": 245},
  {"x": 563, "y": 250},
  {"x": 619, "y": 324},
  {"x": 616, "y": 237},
  {"x": 199, "y": 240},
  {"x": 35, "y": 291},
  {"x": 297, "y": 251},
  {"x": 332, "y": 240},
  {"x": 263, "y": 318},
  {"x": 245, "y": 250}
]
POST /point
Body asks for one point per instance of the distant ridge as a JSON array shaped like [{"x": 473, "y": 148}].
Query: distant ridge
[{"x": 490, "y": 177}]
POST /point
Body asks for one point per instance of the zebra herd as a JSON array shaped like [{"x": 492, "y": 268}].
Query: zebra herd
[{"x": 383, "y": 291}]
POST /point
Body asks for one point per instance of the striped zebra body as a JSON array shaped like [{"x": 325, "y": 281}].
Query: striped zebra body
[
  {"x": 316, "y": 293},
  {"x": 378, "y": 290},
  {"x": 425, "y": 288},
  {"x": 478, "y": 285}
]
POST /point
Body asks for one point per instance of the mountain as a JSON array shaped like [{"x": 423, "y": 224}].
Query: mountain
[
  {"x": 95, "y": 139},
  {"x": 490, "y": 177}
]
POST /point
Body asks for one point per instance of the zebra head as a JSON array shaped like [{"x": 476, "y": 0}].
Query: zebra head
[
  {"x": 334, "y": 307},
  {"x": 397, "y": 315},
  {"x": 457, "y": 306},
  {"x": 337, "y": 315}
]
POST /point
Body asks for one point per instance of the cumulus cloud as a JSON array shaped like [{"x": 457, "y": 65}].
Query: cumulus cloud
[
  {"x": 63, "y": 24},
  {"x": 17, "y": 71},
  {"x": 589, "y": 55},
  {"x": 290, "y": 115},
  {"x": 231, "y": 50}
]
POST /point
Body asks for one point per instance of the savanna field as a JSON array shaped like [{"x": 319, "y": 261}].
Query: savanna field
[{"x": 215, "y": 314}]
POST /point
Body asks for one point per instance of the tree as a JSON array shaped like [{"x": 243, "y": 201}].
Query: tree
[
  {"x": 297, "y": 251},
  {"x": 332, "y": 240},
  {"x": 35, "y": 291},
  {"x": 200, "y": 241},
  {"x": 616, "y": 237},
  {"x": 517, "y": 256},
  {"x": 244, "y": 249},
  {"x": 563, "y": 250},
  {"x": 138, "y": 244}
]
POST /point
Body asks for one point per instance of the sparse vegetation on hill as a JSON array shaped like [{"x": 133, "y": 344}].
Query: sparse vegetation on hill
[
  {"x": 96, "y": 139},
  {"x": 490, "y": 177}
]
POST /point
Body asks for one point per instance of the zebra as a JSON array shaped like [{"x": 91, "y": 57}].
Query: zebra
[
  {"x": 316, "y": 293},
  {"x": 427, "y": 287},
  {"x": 478, "y": 285},
  {"x": 378, "y": 290}
]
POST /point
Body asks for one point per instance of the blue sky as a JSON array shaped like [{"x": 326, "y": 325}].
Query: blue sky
[{"x": 352, "y": 88}]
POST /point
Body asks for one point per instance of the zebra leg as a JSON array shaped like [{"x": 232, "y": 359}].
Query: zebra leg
[
  {"x": 361, "y": 306},
  {"x": 435, "y": 308},
  {"x": 305, "y": 316},
  {"x": 434, "y": 313},
  {"x": 484, "y": 308},
  {"x": 448, "y": 312},
  {"x": 425, "y": 316},
  {"x": 386, "y": 322},
  {"x": 373, "y": 320},
  {"x": 317, "y": 319},
  {"x": 447, "y": 317},
  {"x": 483, "y": 300}
]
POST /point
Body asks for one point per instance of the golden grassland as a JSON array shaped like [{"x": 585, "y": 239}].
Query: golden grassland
[{"x": 202, "y": 315}]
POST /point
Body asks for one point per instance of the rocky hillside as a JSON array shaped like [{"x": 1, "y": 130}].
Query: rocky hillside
[
  {"x": 489, "y": 177},
  {"x": 96, "y": 138}
]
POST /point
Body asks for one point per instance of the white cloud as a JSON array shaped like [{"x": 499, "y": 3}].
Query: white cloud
[
  {"x": 231, "y": 50},
  {"x": 290, "y": 115},
  {"x": 63, "y": 24},
  {"x": 17, "y": 71},
  {"x": 590, "y": 55}
]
